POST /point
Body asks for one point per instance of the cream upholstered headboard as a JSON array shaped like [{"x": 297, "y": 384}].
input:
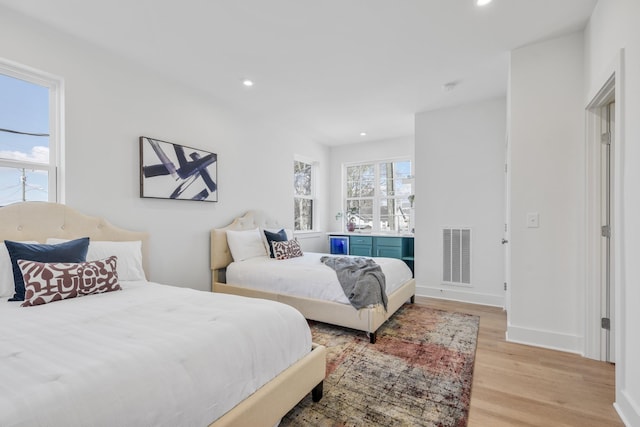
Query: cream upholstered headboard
[
  {"x": 220, "y": 253},
  {"x": 40, "y": 220}
]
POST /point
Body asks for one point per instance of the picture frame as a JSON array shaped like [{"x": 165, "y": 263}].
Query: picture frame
[{"x": 179, "y": 172}]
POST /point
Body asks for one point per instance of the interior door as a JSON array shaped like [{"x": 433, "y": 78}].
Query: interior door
[
  {"x": 606, "y": 283},
  {"x": 507, "y": 227}
]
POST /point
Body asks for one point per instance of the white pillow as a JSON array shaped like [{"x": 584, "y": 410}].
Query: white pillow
[
  {"x": 129, "y": 255},
  {"x": 245, "y": 244},
  {"x": 7, "y": 285}
]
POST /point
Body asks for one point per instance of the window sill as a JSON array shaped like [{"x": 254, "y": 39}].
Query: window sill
[{"x": 307, "y": 234}]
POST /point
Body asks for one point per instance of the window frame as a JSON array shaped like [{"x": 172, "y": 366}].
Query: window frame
[
  {"x": 377, "y": 197},
  {"x": 55, "y": 167},
  {"x": 312, "y": 197}
]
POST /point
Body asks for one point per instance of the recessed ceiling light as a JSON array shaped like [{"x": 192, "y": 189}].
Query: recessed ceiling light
[
  {"x": 483, "y": 2},
  {"x": 247, "y": 82},
  {"x": 363, "y": 134}
]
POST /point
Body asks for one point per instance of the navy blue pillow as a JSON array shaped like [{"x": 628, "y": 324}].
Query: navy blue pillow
[
  {"x": 71, "y": 251},
  {"x": 280, "y": 236}
]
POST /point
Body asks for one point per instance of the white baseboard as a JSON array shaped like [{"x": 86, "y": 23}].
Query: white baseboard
[
  {"x": 627, "y": 409},
  {"x": 546, "y": 339},
  {"x": 461, "y": 295}
]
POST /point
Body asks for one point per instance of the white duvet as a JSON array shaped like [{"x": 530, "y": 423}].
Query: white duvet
[
  {"x": 306, "y": 276},
  {"x": 149, "y": 355}
]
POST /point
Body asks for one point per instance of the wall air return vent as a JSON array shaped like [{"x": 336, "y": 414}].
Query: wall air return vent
[{"x": 456, "y": 255}]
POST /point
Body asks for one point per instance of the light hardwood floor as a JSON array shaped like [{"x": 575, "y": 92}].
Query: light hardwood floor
[{"x": 519, "y": 385}]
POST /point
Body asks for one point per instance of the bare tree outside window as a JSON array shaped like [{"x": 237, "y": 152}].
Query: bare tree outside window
[{"x": 303, "y": 195}]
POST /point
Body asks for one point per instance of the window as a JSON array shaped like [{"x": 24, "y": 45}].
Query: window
[
  {"x": 377, "y": 195},
  {"x": 29, "y": 135},
  {"x": 303, "y": 196}
]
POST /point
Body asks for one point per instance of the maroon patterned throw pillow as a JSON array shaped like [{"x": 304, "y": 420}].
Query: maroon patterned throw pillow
[
  {"x": 286, "y": 250},
  {"x": 55, "y": 281}
]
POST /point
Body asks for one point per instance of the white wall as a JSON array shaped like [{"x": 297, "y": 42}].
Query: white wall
[
  {"x": 547, "y": 177},
  {"x": 460, "y": 155},
  {"x": 110, "y": 103},
  {"x": 402, "y": 147},
  {"x": 614, "y": 26}
]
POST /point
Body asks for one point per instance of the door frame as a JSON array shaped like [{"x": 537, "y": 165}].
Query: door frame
[
  {"x": 506, "y": 241},
  {"x": 610, "y": 90}
]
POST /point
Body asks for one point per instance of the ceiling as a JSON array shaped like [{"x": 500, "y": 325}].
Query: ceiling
[{"x": 325, "y": 69}]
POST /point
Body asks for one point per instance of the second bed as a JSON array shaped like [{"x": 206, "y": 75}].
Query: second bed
[{"x": 303, "y": 282}]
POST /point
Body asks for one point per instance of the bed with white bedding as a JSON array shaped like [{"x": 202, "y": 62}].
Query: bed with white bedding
[
  {"x": 306, "y": 276},
  {"x": 302, "y": 282},
  {"x": 148, "y": 354}
]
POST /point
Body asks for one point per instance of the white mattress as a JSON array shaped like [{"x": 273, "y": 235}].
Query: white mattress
[
  {"x": 149, "y": 355},
  {"x": 306, "y": 276}
]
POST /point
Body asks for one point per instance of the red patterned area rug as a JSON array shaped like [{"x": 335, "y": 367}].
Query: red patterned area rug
[{"x": 418, "y": 373}]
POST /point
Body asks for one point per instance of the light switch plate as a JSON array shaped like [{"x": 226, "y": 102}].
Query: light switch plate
[{"x": 533, "y": 220}]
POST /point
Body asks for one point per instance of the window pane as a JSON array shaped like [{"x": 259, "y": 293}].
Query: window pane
[
  {"x": 302, "y": 178},
  {"x": 394, "y": 215},
  {"x": 402, "y": 171},
  {"x": 360, "y": 212},
  {"x": 303, "y": 214},
  {"x": 18, "y": 185},
  {"x": 386, "y": 179},
  {"x": 24, "y": 108},
  {"x": 361, "y": 181},
  {"x": 392, "y": 178},
  {"x": 24, "y": 148}
]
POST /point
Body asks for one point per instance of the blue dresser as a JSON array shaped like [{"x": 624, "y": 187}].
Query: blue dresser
[{"x": 400, "y": 247}]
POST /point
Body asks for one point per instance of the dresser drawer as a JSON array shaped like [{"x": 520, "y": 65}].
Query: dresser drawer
[
  {"x": 395, "y": 242},
  {"x": 361, "y": 240}
]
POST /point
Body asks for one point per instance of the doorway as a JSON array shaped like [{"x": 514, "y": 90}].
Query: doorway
[
  {"x": 601, "y": 230},
  {"x": 607, "y": 143}
]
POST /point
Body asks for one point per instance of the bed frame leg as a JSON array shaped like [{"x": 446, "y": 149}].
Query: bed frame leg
[
  {"x": 413, "y": 299},
  {"x": 372, "y": 337},
  {"x": 316, "y": 393}
]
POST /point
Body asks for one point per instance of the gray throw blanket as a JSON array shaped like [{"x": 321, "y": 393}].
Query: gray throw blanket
[{"x": 362, "y": 280}]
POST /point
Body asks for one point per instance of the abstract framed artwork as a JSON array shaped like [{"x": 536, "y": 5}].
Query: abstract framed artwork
[{"x": 173, "y": 171}]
